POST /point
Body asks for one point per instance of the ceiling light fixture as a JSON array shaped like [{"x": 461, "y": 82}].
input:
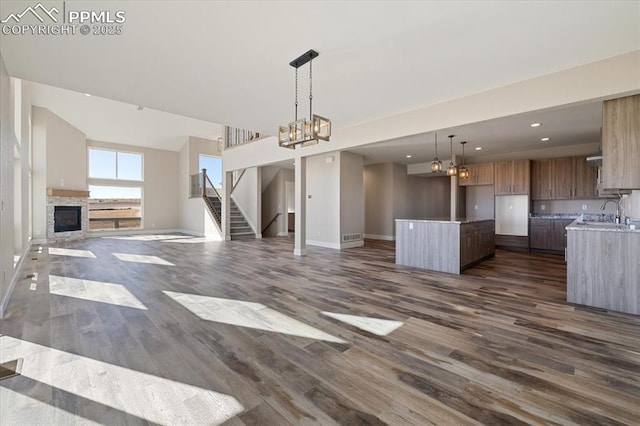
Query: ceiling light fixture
[
  {"x": 463, "y": 172},
  {"x": 452, "y": 170},
  {"x": 302, "y": 132},
  {"x": 544, "y": 139},
  {"x": 436, "y": 164},
  {"x": 408, "y": 155},
  {"x": 536, "y": 124},
  {"x": 478, "y": 148},
  {"x": 87, "y": 94}
]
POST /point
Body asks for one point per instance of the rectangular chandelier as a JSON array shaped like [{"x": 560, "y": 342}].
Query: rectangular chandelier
[{"x": 304, "y": 132}]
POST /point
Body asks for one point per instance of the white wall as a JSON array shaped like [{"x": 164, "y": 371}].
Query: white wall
[
  {"x": 15, "y": 154},
  {"x": 323, "y": 200},
  {"x": 274, "y": 199},
  {"x": 351, "y": 197}
]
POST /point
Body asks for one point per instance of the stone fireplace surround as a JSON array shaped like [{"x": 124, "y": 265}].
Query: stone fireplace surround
[{"x": 67, "y": 197}]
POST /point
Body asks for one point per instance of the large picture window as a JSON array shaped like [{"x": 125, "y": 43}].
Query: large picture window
[
  {"x": 107, "y": 164},
  {"x": 115, "y": 202}
]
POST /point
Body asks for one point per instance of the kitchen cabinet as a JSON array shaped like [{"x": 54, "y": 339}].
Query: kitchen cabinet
[
  {"x": 512, "y": 177},
  {"x": 621, "y": 143},
  {"x": 548, "y": 234},
  {"x": 563, "y": 178},
  {"x": 585, "y": 182},
  {"x": 479, "y": 174}
]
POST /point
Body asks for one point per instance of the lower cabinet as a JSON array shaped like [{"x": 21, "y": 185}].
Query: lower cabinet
[{"x": 548, "y": 234}]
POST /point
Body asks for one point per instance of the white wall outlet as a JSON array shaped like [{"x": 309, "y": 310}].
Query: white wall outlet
[
  {"x": 543, "y": 207},
  {"x": 584, "y": 207},
  {"x": 475, "y": 207}
]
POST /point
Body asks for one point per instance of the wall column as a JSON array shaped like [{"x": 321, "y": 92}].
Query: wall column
[
  {"x": 259, "y": 202},
  {"x": 226, "y": 206},
  {"x": 454, "y": 191},
  {"x": 300, "y": 247}
]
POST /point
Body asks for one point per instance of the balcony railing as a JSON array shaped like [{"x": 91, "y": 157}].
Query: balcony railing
[{"x": 234, "y": 136}]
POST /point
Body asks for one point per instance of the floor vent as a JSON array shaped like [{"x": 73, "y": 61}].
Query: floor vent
[
  {"x": 29, "y": 276},
  {"x": 10, "y": 368},
  {"x": 351, "y": 237}
]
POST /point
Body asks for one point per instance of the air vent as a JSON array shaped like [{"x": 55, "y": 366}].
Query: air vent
[{"x": 351, "y": 237}]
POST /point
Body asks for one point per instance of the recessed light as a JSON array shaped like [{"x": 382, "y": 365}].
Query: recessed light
[
  {"x": 544, "y": 139},
  {"x": 408, "y": 155},
  {"x": 478, "y": 148},
  {"x": 536, "y": 124},
  {"x": 87, "y": 94}
]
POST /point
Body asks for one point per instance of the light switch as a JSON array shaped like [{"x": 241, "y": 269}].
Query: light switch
[
  {"x": 543, "y": 207},
  {"x": 410, "y": 225},
  {"x": 584, "y": 207},
  {"x": 475, "y": 207}
]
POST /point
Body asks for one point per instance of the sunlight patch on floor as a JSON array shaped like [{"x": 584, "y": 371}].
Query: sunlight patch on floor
[
  {"x": 95, "y": 291},
  {"x": 247, "y": 314},
  {"x": 142, "y": 258},
  {"x": 145, "y": 396},
  {"x": 70, "y": 252},
  {"x": 377, "y": 326}
]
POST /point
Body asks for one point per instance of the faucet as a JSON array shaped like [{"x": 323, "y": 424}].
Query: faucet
[{"x": 617, "y": 208}]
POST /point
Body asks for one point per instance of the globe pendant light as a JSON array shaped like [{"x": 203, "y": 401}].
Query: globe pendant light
[
  {"x": 436, "y": 164},
  {"x": 452, "y": 170},
  {"x": 463, "y": 172}
]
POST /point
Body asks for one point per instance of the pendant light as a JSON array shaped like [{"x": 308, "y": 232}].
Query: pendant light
[
  {"x": 436, "y": 164},
  {"x": 463, "y": 172},
  {"x": 452, "y": 170}
]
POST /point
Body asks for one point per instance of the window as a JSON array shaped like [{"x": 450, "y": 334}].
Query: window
[
  {"x": 107, "y": 164},
  {"x": 214, "y": 168},
  {"x": 114, "y": 207},
  {"x": 115, "y": 202}
]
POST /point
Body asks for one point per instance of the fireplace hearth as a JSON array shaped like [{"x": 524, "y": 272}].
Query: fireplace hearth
[{"x": 67, "y": 218}]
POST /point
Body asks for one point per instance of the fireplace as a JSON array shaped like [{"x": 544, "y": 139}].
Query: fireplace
[{"x": 67, "y": 218}]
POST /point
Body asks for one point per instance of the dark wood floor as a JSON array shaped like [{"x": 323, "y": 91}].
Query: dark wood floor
[{"x": 496, "y": 345}]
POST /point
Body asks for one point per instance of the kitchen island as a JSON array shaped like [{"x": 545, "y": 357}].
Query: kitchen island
[
  {"x": 603, "y": 266},
  {"x": 444, "y": 245}
]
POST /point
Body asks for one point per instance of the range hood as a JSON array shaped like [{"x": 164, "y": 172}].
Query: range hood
[{"x": 595, "y": 159}]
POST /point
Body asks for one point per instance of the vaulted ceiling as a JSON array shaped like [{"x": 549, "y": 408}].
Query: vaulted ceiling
[{"x": 227, "y": 62}]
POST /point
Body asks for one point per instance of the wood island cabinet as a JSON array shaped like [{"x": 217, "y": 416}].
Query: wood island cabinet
[
  {"x": 563, "y": 178},
  {"x": 621, "y": 143},
  {"x": 512, "y": 177},
  {"x": 479, "y": 174},
  {"x": 548, "y": 234}
]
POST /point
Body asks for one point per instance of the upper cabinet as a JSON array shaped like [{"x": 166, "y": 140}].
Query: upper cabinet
[
  {"x": 621, "y": 143},
  {"x": 563, "y": 179},
  {"x": 479, "y": 174},
  {"x": 512, "y": 177}
]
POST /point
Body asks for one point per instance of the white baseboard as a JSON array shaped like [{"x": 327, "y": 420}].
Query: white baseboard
[
  {"x": 335, "y": 246},
  {"x": 380, "y": 237},
  {"x": 282, "y": 234},
  {"x": 14, "y": 280},
  {"x": 351, "y": 244},
  {"x": 39, "y": 241}
]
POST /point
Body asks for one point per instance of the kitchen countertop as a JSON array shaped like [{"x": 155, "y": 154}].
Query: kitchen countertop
[
  {"x": 444, "y": 220},
  {"x": 581, "y": 225},
  {"x": 590, "y": 217}
]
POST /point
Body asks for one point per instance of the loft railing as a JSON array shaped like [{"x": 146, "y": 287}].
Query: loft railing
[{"x": 234, "y": 136}]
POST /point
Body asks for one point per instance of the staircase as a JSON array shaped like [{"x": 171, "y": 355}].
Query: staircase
[{"x": 240, "y": 228}]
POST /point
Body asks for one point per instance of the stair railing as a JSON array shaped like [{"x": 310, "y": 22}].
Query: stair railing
[
  {"x": 237, "y": 179},
  {"x": 271, "y": 222},
  {"x": 205, "y": 196}
]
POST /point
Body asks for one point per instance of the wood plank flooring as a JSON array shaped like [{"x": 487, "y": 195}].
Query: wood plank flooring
[{"x": 495, "y": 345}]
